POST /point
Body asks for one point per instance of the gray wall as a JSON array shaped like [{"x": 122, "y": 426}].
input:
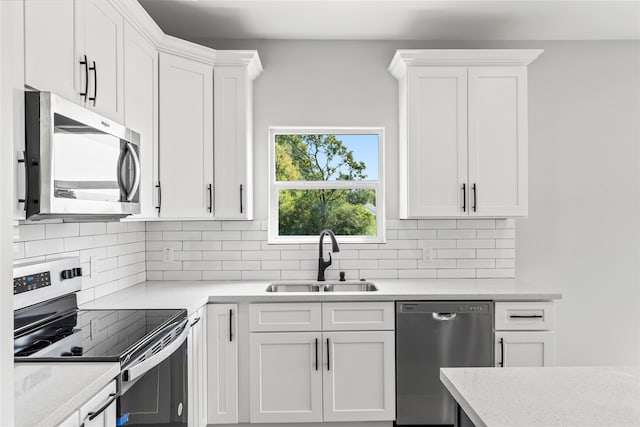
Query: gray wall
[{"x": 582, "y": 233}]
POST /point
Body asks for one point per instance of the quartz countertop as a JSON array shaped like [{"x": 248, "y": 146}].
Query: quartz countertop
[
  {"x": 547, "y": 397},
  {"x": 193, "y": 295},
  {"x": 47, "y": 393}
]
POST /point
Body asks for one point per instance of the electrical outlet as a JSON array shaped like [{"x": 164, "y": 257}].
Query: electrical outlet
[
  {"x": 167, "y": 255},
  {"x": 428, "y": 254}
]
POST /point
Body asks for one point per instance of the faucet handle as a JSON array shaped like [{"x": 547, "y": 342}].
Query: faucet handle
[{"x": 329, "y": 263}]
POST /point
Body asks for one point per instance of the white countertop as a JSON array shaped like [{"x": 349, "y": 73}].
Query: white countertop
[
  {"x": 547, "y": 397},
  {"x": 193, "y": 295},
  {"x": 47, "y": 393}
]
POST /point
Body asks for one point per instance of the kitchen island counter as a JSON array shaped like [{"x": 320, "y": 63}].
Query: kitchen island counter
[{"x": 556, "y": 396}]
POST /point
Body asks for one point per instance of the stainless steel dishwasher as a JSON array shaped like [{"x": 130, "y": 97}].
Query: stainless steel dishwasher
[{"x": 432, "y": 335}]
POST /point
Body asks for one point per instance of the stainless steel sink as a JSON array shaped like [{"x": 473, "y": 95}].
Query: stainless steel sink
[
  {"x": 350, "y": 287},
  {"x": 322, "y": 287},
  {"x": 293, "y": 287}
]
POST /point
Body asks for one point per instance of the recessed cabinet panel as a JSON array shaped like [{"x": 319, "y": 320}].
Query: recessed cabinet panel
[
  {"x": 49, "y": 38},
  {"x": 498, "y": 140},
  {"x": 359, "y": 376},
  {"x": 186, "y": 138},
  {"x": 436, "y": 160},
  {"x": 356, "y": 316},
  {"x": 524, "y": 349},
  {"x": 233, "y": 143},
  {"x": 285, "y": 317},
  {"x": 222, "y": 363},
  {"x": 286, "y": 381}
]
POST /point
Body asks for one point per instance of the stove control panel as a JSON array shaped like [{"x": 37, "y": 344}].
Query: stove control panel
[{"x": 31, "y": 282}]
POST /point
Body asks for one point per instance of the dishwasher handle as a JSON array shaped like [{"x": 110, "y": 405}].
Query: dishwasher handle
[{"x": 443, "y": 316}]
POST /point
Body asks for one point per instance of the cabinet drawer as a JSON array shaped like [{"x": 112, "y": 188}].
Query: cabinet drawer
[
  {"x": 360, "y": 316},
  {"x": 285, "y": 317},
  {"x": 524, "y": 316}
]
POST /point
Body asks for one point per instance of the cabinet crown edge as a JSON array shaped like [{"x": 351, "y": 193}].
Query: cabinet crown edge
[{"x": 460, "y": 57}]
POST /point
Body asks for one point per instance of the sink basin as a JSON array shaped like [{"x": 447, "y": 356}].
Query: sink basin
[
  {"x": 293, "y": 287},
  {"x": 322, "y": 287},
  {"x": 350, "y": 287}
]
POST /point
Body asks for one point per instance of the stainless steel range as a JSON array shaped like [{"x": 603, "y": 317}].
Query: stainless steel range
[{"x": 150, "y": 345}]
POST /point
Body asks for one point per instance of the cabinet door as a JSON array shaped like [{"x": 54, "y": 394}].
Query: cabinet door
[
  {"x": 106, "y": 418},
  {"x": 186, "y": 138},
  {"x": 197, "y": 369},
  {"x": 100, "y": 34},
  {"x": 359, "y": 376},
  {"x": 141, "y": 111},
  {"x": 498, "y": 140},
  {"x": 233, "y": 143},
  {"x": 72, "y": 421},
  {"x": 49, "y": 40},
  {"x": 434, "y": 165},
  {"x": 222, "y": 363},
  {"x": 525, "y": 349},
  {"x": 285, "y": 377}
]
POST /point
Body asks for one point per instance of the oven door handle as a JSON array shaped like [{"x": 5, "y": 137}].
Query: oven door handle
[{"x": 135, "y": 372}]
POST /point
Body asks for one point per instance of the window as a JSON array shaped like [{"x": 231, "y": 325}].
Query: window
[{"x": 326, "y": 178}]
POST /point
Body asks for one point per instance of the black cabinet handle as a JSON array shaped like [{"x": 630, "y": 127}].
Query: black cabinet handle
[
  {"x": 316, "y": 354},
  {"x": 95, "y": 83},
  {"x": 230, "y": 325},
  {"x": 86, "y": 78},
  {"x": 26, "y": 180},
  {"x": 328, "y": 356},
  {"x": 92, "y": 415},
  {"x": 159, "y": 196},
  {"x": 501, "y": 352},
  {"x": 525, "y": 316},
  {"x": 210, "y": 188},
  {"x": 464, "y": 197},
  {"x": 195, "y": 322},
  {"x": 241, "y": 198},
  {"x": 475, "y": 197}
]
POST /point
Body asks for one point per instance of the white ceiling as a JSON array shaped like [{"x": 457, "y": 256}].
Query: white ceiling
[{"x": 397, "y": 19}]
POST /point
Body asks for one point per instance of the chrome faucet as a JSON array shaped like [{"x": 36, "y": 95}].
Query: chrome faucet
[{"x": 322, "y": 264}]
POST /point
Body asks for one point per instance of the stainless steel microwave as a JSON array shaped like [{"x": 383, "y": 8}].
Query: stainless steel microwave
[{"x": 79, "y": 165}]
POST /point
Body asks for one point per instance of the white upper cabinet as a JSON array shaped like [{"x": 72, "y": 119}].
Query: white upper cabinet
[
  {"x": 233, "y": 143},
  {"x": 141, "y": 111},
  {"x": 186, "y": 138},
  {"x": 434, "y": 169},
  {"x": 99, "y": 36},
  {"x": 463, "y": 132},
  {"x": 75, "y": 49},
  {"x": 498, "y": 140},
  {"x": 49, "y": 38}
]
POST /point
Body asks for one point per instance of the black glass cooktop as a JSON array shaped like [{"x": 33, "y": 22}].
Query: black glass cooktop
[{"x": 89, "y": 334}]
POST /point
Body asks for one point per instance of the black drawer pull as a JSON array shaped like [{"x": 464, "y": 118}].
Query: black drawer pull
[{"x": 526, "y": 316}]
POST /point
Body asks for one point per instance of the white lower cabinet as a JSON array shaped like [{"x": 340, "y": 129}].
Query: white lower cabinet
[
  {"x": 72, "y": 421},
  {"x": 286, "y": 377},
  {"x": 100, "y": 410},
  {"x": 359, "y": 378},
  {"x": 329, "y": 375},
  {"x": 222, "y": 364},
  {"x": 197, "y": 369},
  {"x": 524, "y": 349},
  {"x": 524, "y": 334}
]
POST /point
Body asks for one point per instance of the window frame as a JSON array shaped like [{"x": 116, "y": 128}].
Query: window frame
[{"x": 274, "y": 186}]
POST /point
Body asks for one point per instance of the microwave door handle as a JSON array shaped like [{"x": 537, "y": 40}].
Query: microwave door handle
[
  {"x": 136, "y": 166},
  {"x": 123, "y": 190},
  {"x": 136, "y": 371}
]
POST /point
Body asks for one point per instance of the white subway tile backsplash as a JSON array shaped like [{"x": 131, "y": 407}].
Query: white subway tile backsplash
[
  {"x": 416, "y": 234},
  {"x": 455, "y": 253},
  {"x": 496, "y": 253},
  {"x": 484, "y": 243},
  {"x": 117, "y": 227},
  {"x": 475, "y": 223},
  {"x": 77, "y": 243},
  {"x": 182, "y": 235},
  {"x": 243, "y": 245},
  {"x": 36, "y": 248},
  {"x": 201, "y": 225},
  {"x": 222, "y": 275},
  {"x": 202, "y": 265},
  {"x": 64, "y": 229},
  {"x": 183, "y": 275},
  {"x": 202, "y": 246},
  {"x": 437, "y": 223},
  {"x": 222, "y": 256},
  {"x": 455, "y": 273},
  {"x": 30, "y": 232},
  {"x": 93, "y": 228},
  {"x": 497, "y": 234},
  {"x": 221, "y": 235}
]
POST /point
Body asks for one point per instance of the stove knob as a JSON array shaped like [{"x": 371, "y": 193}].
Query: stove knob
[
  {"x": 66, "y": 353},
  {"x": 66, "y": 274},
  {"x": 77, "y": 272},
  {"x": 77, "y": 351}
]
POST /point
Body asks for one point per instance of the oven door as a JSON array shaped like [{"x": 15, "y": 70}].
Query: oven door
[{"x": 154, "y": 392}]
